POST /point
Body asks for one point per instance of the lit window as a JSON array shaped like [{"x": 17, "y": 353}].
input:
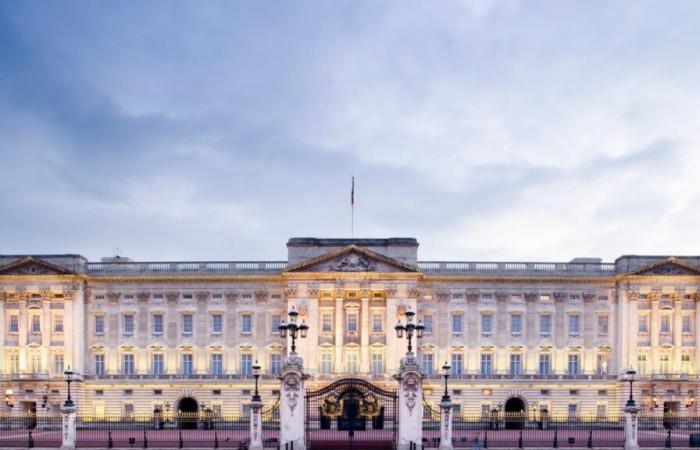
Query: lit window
[
  {"x": 247, "y": 323},
  {"x": 486, "y": 323},
  {"x": 352, "y": 366},
  {"x": 601, "y": 410},
  {"x": 686, "y": 366},
  {"x": 58, "y": 364},
  {"x": 516, "y": 324},
  {"x": 377, "y": 362},
  {"x": 545, "y": 324},
  {"x": 326, "y": 362},
  {"x": 187, "y": 323},
  {"x": 157, "y": 324},
  {"x": 217, "y": 323},
  {"x": 327, "y": 323},
  {"x": 663, "y": 364},
  {"x": 377, "y": 323},
  {"x": 217, "y": 364},
  {"x": 642, "y": 363},
  {"x": 158, "y": 365},
  {"x": 574, "y": 324},
  {"x": 602, "y": 364},
  {"x": 128, "y": 324}
]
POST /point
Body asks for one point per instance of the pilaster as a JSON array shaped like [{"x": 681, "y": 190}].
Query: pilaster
[
  {"x": 410, "y": 404},
  {"x": 292, "y": 408}
]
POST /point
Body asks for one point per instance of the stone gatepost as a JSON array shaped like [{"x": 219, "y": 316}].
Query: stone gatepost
[
  {"x": 631, "y": 428},
  {"x": 68, "y": 427},
  {"x": 446, "y": 425},
  {"x": 292, "y": 407},
  {"x": 410, "y": 404},
  {"x": 256, "y": 430}
]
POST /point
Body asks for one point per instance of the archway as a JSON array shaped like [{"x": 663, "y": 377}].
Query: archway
[
  {"x": 515, "y": 412},
  {"x": 187, "y": 409}
]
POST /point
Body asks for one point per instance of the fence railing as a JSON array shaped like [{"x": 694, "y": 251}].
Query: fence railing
[{"x": 30, "y": 431}]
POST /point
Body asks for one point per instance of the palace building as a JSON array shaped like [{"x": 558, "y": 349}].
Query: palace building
[{"x": 182, "y": 336}]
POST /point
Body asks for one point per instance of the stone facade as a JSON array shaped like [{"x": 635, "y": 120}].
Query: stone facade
[{"x": 553, "y": 336}]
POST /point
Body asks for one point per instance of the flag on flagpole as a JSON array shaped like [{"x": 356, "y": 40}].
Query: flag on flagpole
[{"x": 352, "y": 192}]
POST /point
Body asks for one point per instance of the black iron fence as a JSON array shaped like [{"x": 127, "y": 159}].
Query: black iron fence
[
  {"x": 30, "y": 431},
  {"x": 669, "y": 431}
]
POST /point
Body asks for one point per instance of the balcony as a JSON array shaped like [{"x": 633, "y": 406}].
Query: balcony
[
  {"x": 525, "y": 377},
  {"x": 513, "y": 268},
  {"x": 40, "y": 376},
  {"x": 195, "y": 267},
  {"x": 231, "y": 376}
]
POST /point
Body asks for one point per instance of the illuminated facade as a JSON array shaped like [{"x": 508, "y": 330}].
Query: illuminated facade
[{"x": 184, "y": 335}]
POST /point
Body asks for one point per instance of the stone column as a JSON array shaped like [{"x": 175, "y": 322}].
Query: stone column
[
  {"x": 292, "y": 408},
  {"x": 68, "y": 427},
  {"x": 623, "y": 330},
  {"x": 631, "y": 429},
  {"x": 391, "y": 339},
  {"x": 410, "y": 404},
  {"x": 364, "y": 332},
  {"x": 256, "y": 442},
  {"x": 697, "y": 332},
  {"x": 339, "y": 330},
  {"x": 677, "y": 332},
  {"x": 446, "y": 425},
  {"x": 631, "y": 332},
  {"x": 654, "y": 332}
]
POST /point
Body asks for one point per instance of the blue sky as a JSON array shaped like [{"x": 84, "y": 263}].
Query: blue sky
[{"x": 216, "y": 130}]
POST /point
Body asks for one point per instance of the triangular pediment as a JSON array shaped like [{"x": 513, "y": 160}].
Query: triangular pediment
[
  {"x": 32, "y": 266},
  {"x": 352, "y": 259},
  {"x": 669, "y": 266}
]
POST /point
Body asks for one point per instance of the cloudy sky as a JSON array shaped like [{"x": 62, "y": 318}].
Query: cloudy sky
[{"x": 215, "y": 131}]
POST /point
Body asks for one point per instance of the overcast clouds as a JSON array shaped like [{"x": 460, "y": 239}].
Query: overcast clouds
[{"x": 487, "y": 130}]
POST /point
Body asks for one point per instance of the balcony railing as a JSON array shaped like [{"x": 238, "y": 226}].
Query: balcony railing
[
  {"x": 198, "y": 267},
  {"x": 509, "y": 377},
  {"x": 523, "y": 268},
  {"x": 232, "y": 376}
]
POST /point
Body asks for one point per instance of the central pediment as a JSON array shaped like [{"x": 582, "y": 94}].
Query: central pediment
[
  {"x": 669, "y": 266},
  {"x": 33, "y": 266},
  {"x": 352, "y": 258}
]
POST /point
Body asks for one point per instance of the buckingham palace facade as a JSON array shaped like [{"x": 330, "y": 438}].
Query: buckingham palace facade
[{"x": 181, "y": 336}]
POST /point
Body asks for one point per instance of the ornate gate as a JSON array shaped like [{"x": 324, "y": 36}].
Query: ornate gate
[{"x": 351, "y": 414}]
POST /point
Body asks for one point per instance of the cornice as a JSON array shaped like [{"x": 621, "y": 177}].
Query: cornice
[
  {"x": 47, "y": 277},
  {"x": 351, "y": 275},
  {"x": 188, "y": 278},
  {"x": 517, "y": 279}
]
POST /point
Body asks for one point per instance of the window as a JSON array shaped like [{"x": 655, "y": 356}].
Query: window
[
  {"x": 573, "y": 409},
  {"x": 486, "y": 363},
  {"x": 377, "y": 362},
  {"x": 327, "y": 322},
  {"x": 545, "y": 324},
  {"x": 326, "y": 362},
  {"x": 663, "y": 363},
  {"x": 157, "y": 324},
  {"x": 545, "y": 364},
  {"x": 573, "y": 364},
  {"x": 246, "y": 364},
  {"x": 685, "y": 364},
  {"x": 574, "y": 324},
  {"x": 642, "y": 363},
  {"x": 187, "y": 364},
  {"x": 687, "y": 328},
  {"x": 428, "y": 323},
  {"x": 187, "y": 323},
  {"x": 99, "y": 324},
  {"x": 602, "y": 325},
  {"x": 515, "y": 364},
  {"x": 128, "y": 324},
  {"x": 36, "y": 361},
  {"x": 516, "y": 324},
  {"x": 486, "y": 323},
  {"x": 14, "y": 324},
  {"x": 601, "y": 410},
  {"x": 456, "y": 323},
  {"x": 129, "y": 410},
  {"x": 352, "y": 366},
  {"x": 58, "y": 364},
  {"x": 666, "y": 323},
  {"x": 99, "y": 364},
  {"x": 58, "y": 323},
  {"x": 158, "y": 365},
  {"x": 377, "y": 323},
  {"x": 643, "y": 324},
  {"x": 457, "y": 364},
  {"x": 36, "y": 323},
  {"x": 128, "y": 364},
  {"x": 276, "y": 363},
  {"x": 276, "y": 321},
  {"x": 217, "y": 364},
  {"x": 427, "y": 363},
  {"x": 601, "y": 366},
  {"x": 247, "y": 323},
  {"x": 217, "y": 323},
  {"x": 14, "y": 363},
  {"x": 352, "y": 322}
]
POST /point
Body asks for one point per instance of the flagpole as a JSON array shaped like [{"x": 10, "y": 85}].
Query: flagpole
[{"x": 352, "y": 209}]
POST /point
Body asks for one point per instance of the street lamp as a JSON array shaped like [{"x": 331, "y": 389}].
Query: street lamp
[
  {"x": 8, "y": 398},
  {"x": 630, "y": 377},
  {"x": 69, "y": 379},
  {"x": 292, "y": 329},
  {"x": 446, "y": 374},
  {"x": 256, "y": 375},
  {"x": 409, "y": 329}
]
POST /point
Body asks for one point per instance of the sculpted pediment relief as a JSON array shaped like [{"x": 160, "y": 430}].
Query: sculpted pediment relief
[
  {"x": 352, "y": 259},
  {"x": 669, "y": 266},
  {"x": 32, "y": 266}
]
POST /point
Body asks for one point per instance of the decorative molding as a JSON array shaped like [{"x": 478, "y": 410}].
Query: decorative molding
[
  {"x": 531, "y": 297},
  {"x": 143, "y": 296},
  {"x": 414, "y": 292},
  {"x": 366, "y": 293},
  {"x": 559, "y": 296},
  {"x": 442, "y": 295},
  {"x": 201, "y": 296},
  {"x": 501, "y": 296},
  {"x": 390, "y": 292},
  {"x": 172, "y": 296},
  {"x": 231, "y": 296},
  {"x": 588, "y": 297},
  {"x": 291, "y": 292},
  {"x": 113, "y": 297},
  {"x": 473, "y": 296}
]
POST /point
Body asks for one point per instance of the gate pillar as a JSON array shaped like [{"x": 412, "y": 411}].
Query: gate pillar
[
  {"x": 631, "y": 428},
  {"x": 410, "y": 413},
  {"x": 292, "y": 407},
  {"x": 256, "y": 426},
  {"x": 68, "y": 427},
  {"x": 446, "y": 425}
]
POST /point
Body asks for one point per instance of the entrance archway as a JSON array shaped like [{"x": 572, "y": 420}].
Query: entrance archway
[
  {"x": 515, "y": 412},
  {"x": 187, "y": 410}
]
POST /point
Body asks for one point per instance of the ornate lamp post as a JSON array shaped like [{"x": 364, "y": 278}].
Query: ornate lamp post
[
  {"x": 446, "y": 374},
  {"x": 69, "y": 379},
  {"x": 409, "y": 329},
  {"x": 8, "y": 398},
  {"x": 630, "y": 377},
  {"x": 292, "y": 329},
  {"x": 256, "y": 375}
]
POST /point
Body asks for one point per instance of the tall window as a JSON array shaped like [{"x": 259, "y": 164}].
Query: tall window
[
  {"x": 457, "y": 323},
  {"x": 14, "y": 323},
  {"x": 601, "y": 366},
  {"x": 377, "y": 323},
  {"x": 377, "y": 362},
  {"x": 327, "y": 322},
  {"x": 545, "y": 324},
  {"x": 573, "y": 409},
  {"x": 187, "y": 364},
  {"x": 58, "y": 323},
  {"x": 457, "y": 364},
  {"x": 665, "y": 323},
  {"x": 276, "y": 363},
  {"x": 686, "y": 367},
  {"x": 603, "y": 325},
  {"x": 573, "y": 364},
  {"x": 574, "y": 324},
  {"x": 99, "y": 324},
  {"x": 601, "y": 410},
  {"x": 352, "y": 365},
  {"x": 128, "y": 364},
  {"x": 36, "y": 323},
  {"x": 352, "y": 322},
  {"x": 486, "y": 363},
  {"x": 276, "y": 321},
  {"x": 427, "y": 363},
  {"x": 428, "y": 323},
  {"x": 515, "y": 363},
  {"x": 486, "y": 324},
  {"x": 246, "y": 364},
  {"x": 158, "y": 364},
  {"x": 643, "y": 324},
  {"x": 217, "y": 364},
  {"x": 642, "y": 363},
  {"x": 663, "y": 363},
  {"x": 217, "y": 323},
  {"x": 99, "y": 364},
  {"x": 326, "y": 362},
  {"x": 516, "y": 324},
  {"x": 687, "y": 328},
  {"x": 36, "y": 361},
  {"x": 545, "y": 364},
  {"x": 187, "y": 323},
  {"x": 247, "y": 323},
  {"x": 158, "y": 324},
  {"x": 128, "y": 324},
  {"x": 14, "y": 363},
  {"x": 58, "y": 364}
]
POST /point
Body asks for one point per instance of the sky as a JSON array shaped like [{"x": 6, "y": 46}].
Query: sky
[{"x": 489, "y": 130}]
